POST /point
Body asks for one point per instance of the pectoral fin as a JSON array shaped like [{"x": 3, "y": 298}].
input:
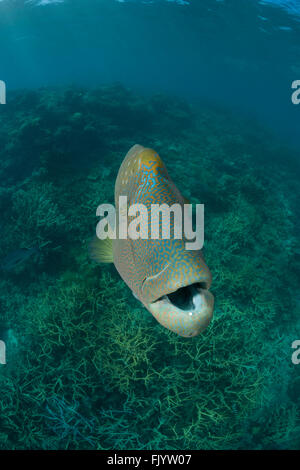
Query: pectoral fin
[{"x": 101, "y": 250}]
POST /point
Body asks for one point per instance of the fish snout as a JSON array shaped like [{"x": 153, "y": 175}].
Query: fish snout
[{"x": 187, "y": 311}]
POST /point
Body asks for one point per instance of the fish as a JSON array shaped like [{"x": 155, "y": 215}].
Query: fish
[
  {"x": 171, "y": 282},
  {"x": 17, "y": 257}
]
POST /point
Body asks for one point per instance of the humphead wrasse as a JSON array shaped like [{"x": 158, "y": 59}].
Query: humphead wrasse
[{"x": 170, "y": 281}]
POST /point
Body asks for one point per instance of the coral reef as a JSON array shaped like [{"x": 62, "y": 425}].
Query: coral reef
[{"x": 87, "y": 366}]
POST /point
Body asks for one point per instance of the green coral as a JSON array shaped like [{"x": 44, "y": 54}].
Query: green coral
[{"x": 87, "y": 366}]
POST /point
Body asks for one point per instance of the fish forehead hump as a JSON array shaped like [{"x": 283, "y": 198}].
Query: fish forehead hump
[
  {"x": 143, "y": 178},
  {"x": 140, "y": 166}
]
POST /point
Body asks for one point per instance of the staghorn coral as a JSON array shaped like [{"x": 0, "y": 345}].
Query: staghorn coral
[{"x": 91, "y": 369}]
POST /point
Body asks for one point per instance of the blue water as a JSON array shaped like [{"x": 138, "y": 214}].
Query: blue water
[{"x": 243, "y": 55}]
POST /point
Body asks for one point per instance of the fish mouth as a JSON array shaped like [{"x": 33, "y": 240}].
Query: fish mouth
[
  {"x": 185, "y": 298},
  {"x": 187, "y": 311}
]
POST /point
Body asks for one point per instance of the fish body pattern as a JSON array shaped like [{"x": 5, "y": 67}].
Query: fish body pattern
[{"x": 170, "y": 281}]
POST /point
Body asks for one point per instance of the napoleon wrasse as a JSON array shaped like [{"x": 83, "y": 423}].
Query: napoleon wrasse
[{"x": 170, "y": 281}]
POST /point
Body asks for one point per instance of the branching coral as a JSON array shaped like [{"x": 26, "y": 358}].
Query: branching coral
[{"x": 90, "y": 368}]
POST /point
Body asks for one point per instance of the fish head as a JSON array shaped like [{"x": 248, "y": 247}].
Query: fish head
[{"x": 178, "y": 295}]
